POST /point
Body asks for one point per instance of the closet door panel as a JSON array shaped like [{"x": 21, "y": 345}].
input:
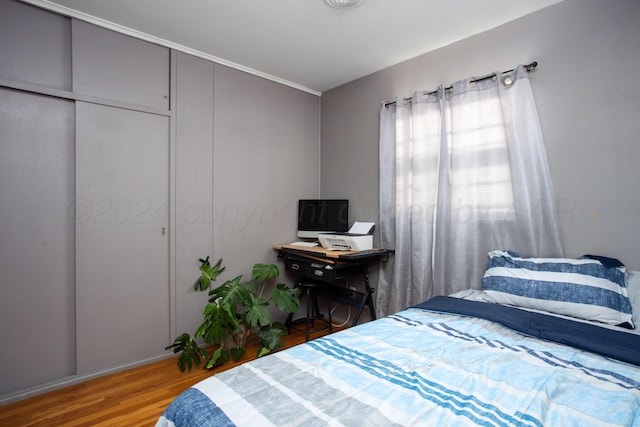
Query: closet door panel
[
  {"x": 122, "y": 244},
  {"x": 36, "y": 240},
  {"x": 194, "y": 183},
  {"x": 35, "y": 46},
  {"x": 114, "y": 66}
]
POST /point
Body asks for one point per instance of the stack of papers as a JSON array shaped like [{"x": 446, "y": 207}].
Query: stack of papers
[{"x": 361, "y": 227}]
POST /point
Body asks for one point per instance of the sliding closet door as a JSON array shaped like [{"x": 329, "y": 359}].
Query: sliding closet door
[
  {"x": 37, "y": 327},
  {"x": 122, "y": 241},
  {"x": 194, "y": 183}
]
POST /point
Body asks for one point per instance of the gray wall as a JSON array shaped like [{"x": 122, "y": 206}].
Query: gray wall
[
  {"x": 588, "y": 98},
  {"x": 236, "y": 152},
  {"x": 266, "y": 157}
]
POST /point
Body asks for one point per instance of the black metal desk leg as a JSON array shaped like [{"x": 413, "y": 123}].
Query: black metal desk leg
[{"x": 367, "y": 298}]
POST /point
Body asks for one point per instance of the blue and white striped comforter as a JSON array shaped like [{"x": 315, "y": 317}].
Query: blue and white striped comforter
[{"x": 418, "y": 367}]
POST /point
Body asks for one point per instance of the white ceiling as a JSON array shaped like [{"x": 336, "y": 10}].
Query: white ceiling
[{"x": 301, "y": 43}]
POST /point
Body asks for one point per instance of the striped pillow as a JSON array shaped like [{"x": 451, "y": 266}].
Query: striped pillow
[{"x": 582, "y": 288}]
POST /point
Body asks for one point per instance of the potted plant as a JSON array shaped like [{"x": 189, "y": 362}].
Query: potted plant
[{"x": 235, "y": 309}]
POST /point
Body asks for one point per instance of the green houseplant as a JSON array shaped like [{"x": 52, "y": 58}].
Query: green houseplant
[{"x": 235, "y": 309}]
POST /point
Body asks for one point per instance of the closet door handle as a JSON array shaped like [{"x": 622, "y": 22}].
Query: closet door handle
[{"x": 163, "y": 231}]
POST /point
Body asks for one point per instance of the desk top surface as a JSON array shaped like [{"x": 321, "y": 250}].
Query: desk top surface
[{"x": 319, "y": 251}]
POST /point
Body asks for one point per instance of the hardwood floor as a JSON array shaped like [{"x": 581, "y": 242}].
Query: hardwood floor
[{"x": 136, "y": 397}]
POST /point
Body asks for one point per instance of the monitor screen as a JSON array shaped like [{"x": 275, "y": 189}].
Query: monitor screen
[{"x": 322, "y": 216}]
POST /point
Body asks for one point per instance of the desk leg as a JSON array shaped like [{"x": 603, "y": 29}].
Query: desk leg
[
  {"x": 370, "y": 291},
  {"x": 367, "y": 298}
]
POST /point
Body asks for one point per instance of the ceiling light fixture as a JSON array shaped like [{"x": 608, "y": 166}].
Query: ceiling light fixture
[{"x": 344, "y": 4}]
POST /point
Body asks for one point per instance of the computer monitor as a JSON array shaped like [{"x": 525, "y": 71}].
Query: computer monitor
[{"x": 322, "y": 216}]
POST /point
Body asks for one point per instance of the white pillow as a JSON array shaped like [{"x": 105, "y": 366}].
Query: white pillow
[{"x": 633, "y": 289}]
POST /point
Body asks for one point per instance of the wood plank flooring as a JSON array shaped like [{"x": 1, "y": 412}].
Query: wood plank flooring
[{"x": 136, "y": 397}]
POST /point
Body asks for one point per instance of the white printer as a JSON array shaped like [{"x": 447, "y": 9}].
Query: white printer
[{"x": 358, "y": 238}]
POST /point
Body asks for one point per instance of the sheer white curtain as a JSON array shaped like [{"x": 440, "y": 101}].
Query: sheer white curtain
[{"x": 462, "y": 172}]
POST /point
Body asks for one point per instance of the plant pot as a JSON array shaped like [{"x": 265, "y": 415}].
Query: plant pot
[{"x": 238, "y": 339}]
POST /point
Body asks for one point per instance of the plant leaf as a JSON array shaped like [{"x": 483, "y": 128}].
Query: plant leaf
[
  {"x": 285, "y": 298},
  {"x": 271, "y": 336},
  {"x": 191, "y": 352},
  {"x": 179, "y": 342},
  {"x": 263, "y": 351},
  {"x": 258, "y": 313},
  {"x": 237, "y": 353},
  {"x": 219, "y": 322},
  {"x": 265, "y": 272},
  {"x": 209, "y": 274},
  {"x": 251, "y": 286},
  {"x": 214, "y": 359},
  {"x": 231, "y": 292}
]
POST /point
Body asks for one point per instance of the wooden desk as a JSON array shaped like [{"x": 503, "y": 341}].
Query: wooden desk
[
  {"x": 323, "y": 265},
  {"x": 328, "y": 254}
]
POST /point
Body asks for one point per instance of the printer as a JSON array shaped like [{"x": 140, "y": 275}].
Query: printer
[{"x": 358, "y": 238}]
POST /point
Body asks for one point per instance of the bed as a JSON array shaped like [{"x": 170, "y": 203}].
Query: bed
[{"x": 466, "y": 359}]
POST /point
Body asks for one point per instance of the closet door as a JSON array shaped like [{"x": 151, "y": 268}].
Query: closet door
[
  {"x": 194, "y": 183},
  {"x": 122, "y": 244},
  {"x": 37, "y": 325}
]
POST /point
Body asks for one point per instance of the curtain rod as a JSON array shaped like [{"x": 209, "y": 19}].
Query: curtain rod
[{"x": 527, "y": 67}]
